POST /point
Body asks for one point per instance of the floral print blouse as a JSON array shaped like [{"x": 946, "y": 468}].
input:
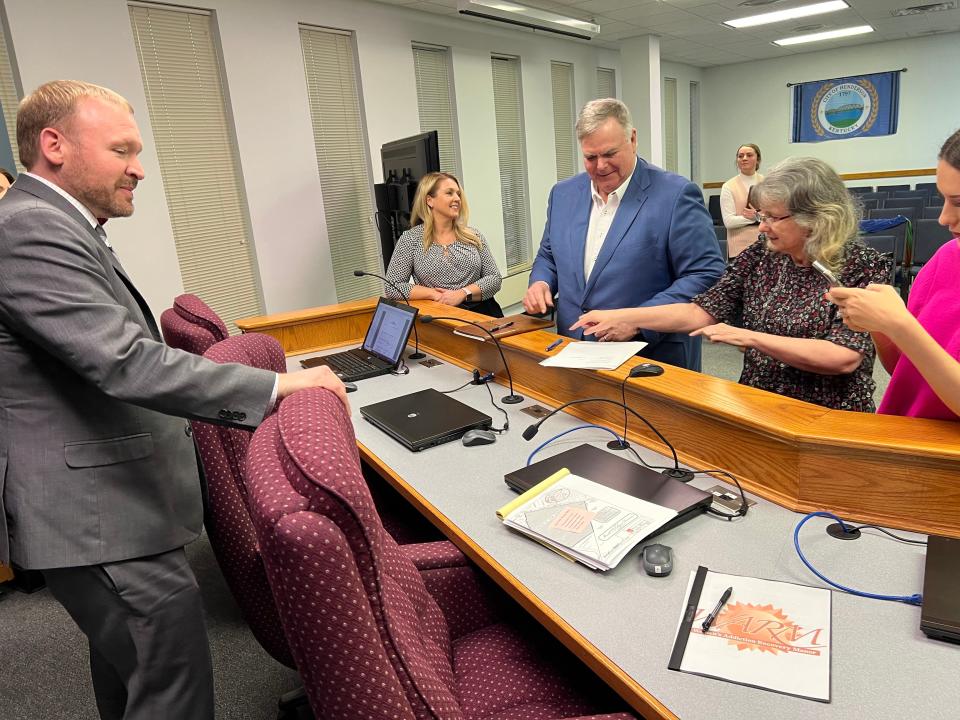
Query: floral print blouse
[{"x": 777, "y": 296}]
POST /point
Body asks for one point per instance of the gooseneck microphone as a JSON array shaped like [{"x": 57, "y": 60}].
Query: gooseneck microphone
[
  {"x": 676, "y": 472},
  {"x": 512, "y": 398},
  {"x": 416, "y": 354}
]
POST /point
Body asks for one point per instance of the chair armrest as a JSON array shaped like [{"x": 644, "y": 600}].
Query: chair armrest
[{"x": 433, "y": 555}]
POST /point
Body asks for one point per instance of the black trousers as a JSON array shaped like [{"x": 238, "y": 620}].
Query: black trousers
[
  {"x": 143, "y": 618},
  {"x": 485, "y": 307}
]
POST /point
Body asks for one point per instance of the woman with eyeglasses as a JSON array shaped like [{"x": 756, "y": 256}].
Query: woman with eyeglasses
[
  {"x": 739, "y": 215},
  {"x": 448, "y": 261},
  {"x": 794, "y": 340},
  {"x": 919, "y": 344}
]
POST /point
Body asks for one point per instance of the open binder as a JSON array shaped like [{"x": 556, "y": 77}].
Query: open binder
[{"x": 503, "y": 327}]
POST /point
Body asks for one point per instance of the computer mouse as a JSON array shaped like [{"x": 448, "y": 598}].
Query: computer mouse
[
  {"x": 657, "y": 559},
  {"x": 478, "y": 437},
  {"x": 351, "y": 387},
  {"x": 646, "y": 370}
]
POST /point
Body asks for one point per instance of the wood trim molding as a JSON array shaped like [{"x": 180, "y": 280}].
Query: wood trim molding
[{"x": 872, "y": 175}]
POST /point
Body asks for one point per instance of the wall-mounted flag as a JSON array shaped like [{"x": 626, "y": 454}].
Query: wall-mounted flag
[{"x": 840, "y": 108}]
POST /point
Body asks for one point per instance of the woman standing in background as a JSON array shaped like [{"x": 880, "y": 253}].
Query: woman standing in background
[{"x": 739, "y": 217}]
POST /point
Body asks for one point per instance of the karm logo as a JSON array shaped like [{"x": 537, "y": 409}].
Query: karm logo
[{"x": 763, "y": 628}]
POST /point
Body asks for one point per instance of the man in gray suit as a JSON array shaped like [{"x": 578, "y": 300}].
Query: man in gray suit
[{"x": 98, "y": 483}]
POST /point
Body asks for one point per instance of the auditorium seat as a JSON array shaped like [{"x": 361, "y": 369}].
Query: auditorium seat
[
  {"x": 932, "y": 212},
  {"x": 376, "y": 631},
  {"x": 910, "y": 214},
  {"x": 928, "y": 237},
  {"x": 930, "y": 187},
  {"x": 721, "y": 233},
  {"x": 870, "y": 203},
  {"x": 887, "y": 245},
  {"x": 881, "y": 198},
  {"x": 860, "y": 189},
  {"x": 890, "y": 189},
  {"x": 916, "y": 203},
  {"x": 923, "y": 194},
  {"x": 713, "y": 205}
]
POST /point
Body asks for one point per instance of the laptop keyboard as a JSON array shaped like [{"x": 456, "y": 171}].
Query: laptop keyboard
[{"x": 349, "y": 364}]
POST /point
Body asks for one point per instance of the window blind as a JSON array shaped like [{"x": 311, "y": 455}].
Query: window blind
[
  {"x": 695, "y": 131},
  {"x": 198, "y": 161},
  {"x": 342, "y": 158},
  {"x": 435, "y": 101},
  {"x": 670, "y": 124},
  {"x": 606, "y": 83},
  {"x": 561, "y": 78},
  {"x": 9, "y": 97},
  {"x": 511, "y": 150}
]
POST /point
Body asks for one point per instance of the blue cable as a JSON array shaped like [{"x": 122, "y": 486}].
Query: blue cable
[
  {"x": 546, "y": 442},
  {"x": 916, "y": 599}
]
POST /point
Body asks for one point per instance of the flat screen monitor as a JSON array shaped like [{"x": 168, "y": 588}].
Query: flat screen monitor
[{"x": 409, "y": 159}]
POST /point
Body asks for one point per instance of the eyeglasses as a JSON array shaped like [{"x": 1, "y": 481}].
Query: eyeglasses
[{"x": 771, "y": 219}]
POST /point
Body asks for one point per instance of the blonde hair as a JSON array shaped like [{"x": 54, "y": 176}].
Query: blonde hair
[
  {"x": 818, "y": 200},
  {"x": 52, "y": 105},
  {"x": 422, "y": 215}
]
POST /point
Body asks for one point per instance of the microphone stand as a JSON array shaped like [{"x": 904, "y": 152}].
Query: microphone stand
[
  {"x": 416, "y": 354},
  {"x": 512, "y": 398},
  {"x": 676, "y": 472}
]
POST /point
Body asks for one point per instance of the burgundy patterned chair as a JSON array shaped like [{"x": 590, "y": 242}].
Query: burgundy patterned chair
[
  {"x": 191, "y": 325},
  {"x": 223, "y": 452},
  {"x": 379, "y": 630}
]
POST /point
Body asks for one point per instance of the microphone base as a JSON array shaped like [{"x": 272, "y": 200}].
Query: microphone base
[
  {"x": 835, "y": 530},
  {"x": 512, "y": 399},
  {"x": 416, "y": 356},
  {"x": 618, "y": 445},
  {"x": 678, "y": 474}
]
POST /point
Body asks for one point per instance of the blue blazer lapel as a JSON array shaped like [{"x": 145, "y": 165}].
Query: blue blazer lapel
[
  {"x": 579, "y": 225},
  {"x": 630, "y": 205}
]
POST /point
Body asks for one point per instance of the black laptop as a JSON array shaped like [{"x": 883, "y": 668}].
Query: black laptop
[
  {"x": 940, "y": 617},
  {"x": 382, "y": 347},
  {"x": 423, "y": 419},
  {"x": 619, "y": 474}
]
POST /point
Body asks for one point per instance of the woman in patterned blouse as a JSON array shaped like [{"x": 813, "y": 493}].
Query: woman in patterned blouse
[
  {"x": 794, "y": 340},
  {"x": 449, "y": 262}
]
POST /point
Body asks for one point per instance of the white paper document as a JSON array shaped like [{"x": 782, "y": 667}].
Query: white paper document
[
  {"x": 594, "y": 355},
  {"x": 769, "y": 635},
  {"x": 584, "y": 520}
]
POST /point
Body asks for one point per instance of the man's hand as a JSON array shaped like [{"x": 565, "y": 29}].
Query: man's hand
[
  {"x": 875, "y": 308},
  {"x": 538, "y": 298},
  {"x": 607, "y": 325},
  {"x": 452, "y": 297},
  {"x": 320, "y": 376},
  {"x": 727, "y": 334}
]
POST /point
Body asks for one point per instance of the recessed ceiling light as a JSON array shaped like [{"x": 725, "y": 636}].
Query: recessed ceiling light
[
  {"x": 828, "y": 35},
  {"x": 791, "y": 14}
]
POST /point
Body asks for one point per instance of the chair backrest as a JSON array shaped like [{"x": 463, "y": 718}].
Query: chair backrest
[
  {"x": 349, "y": 599},
  {"x": 910, "y": 214},
  {"x": 932, "y": 212},
  {"x": 928, "y": 237},
  {"x": 892, "y": 188},
  {"x": 887, "y": 245},
  {"x": 713, "y": 205},
  {"x": 223, "y": 452},
  {"x": 930, "y": 187},
  {"x": 880, "y": 197},
  {"x": 911, "y": 194},
  {"x": 860, "y": 189},
  {"x": 905, "y": 202},
  {"x": 869, "y": 203},
  {"x": 195, "y": 310}
]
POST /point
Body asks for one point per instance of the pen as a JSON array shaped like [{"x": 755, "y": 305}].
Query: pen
[
  {"x": 554, "y": 344},
  {"x": 501, "y": 327},
  {"x": 716, "y": 611}
]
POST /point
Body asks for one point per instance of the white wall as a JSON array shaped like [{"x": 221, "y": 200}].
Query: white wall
[
  {"x": 750, "y": 103},
  {"x": 264, "y": 74}
]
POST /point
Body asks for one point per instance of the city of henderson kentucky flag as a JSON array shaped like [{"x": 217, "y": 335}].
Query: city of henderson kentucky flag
[{"x": 857, "y": 106}]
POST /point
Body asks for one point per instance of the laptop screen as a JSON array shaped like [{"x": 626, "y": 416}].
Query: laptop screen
[{"x": 389, "y": 330}]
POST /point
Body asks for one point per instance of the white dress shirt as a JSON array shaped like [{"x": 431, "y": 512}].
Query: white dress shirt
[{"x": 601, "y": 217}]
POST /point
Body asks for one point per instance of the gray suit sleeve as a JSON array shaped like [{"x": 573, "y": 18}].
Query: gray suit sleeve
[{"x": 56, "y": 292}]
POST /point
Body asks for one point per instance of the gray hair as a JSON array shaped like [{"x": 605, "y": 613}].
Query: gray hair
[
  {"x": 596, "y": 112},
  {"x": 815, "y": 195}
]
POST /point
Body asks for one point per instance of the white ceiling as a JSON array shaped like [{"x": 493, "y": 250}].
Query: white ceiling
[{"x": 691, "y": 32}]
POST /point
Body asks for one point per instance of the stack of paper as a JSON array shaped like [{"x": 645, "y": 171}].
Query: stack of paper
[
  {"x": 594, "y": 355},
  {"x": 583, "y": 520}
]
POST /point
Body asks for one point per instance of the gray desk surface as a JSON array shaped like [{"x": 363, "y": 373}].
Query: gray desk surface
[{"x": 883, "y": 666}]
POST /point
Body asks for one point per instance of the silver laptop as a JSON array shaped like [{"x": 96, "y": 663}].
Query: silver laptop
[{"x": 423, "y": 419}]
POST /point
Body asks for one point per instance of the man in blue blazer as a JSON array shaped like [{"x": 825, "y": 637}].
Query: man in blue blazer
[{"x": 623, "y": 234}]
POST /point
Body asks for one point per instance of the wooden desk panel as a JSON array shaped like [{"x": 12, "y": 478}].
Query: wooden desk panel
[{"x": 899, "y": 472}]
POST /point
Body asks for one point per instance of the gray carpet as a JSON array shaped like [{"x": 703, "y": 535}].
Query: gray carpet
[{"x": 43, "y": 658}]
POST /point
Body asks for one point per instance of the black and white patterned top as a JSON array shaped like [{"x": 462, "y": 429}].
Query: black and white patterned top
[
  {"x": 451, "y": 268},
  {"x": 779, "y": 297}
]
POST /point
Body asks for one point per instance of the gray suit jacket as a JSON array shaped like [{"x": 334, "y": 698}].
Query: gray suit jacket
[{"x": 93, "y": 468}]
